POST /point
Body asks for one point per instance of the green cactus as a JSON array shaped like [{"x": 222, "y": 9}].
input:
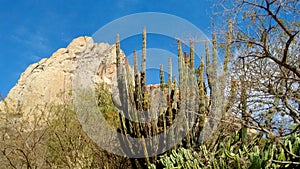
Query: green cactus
[
  {"x": 134, "y": 101},
  {"x": 192, "y": 55},
  {"x": 228, "y": 104},
  {"x": 137, "y": 96},
  {"x": 162, "y": 77},
  {"x": 191, "y": 94},
  {"x": 169, "y": 96},
  {"x": 202, "y": 99},
  {"x": 208, "y": 64},
  {"x": 228, "y": 45},
  {"x": 143, "y": 71},
  {"x": 180, "y": 158},
  {"x": 180, "y": 61},
  {"x": 214, "y": 63}
]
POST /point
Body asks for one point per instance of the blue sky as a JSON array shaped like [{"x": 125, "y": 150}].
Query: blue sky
[{"x": 34, "y": 29}]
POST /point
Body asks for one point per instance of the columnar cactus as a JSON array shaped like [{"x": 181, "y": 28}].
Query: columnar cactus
[
  {"x": 228, "y": 45},
  {"x": 192, "y": 55},
  {"x": 202, "y": 99},
  {"x": 143, "y": 71},
  {"x": 183, "y": 103},
  {"x": 225, "y": 70},
  {"x": 180, "y": 61},
  {"x": 208, "y": 64},
  {"x": 162, "y": 77}
]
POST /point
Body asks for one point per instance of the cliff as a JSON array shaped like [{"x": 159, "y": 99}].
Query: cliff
[{"x": 50, "y": 80}]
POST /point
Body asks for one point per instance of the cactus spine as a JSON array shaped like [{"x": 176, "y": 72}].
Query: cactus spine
[{"x": 208, "y": 64}]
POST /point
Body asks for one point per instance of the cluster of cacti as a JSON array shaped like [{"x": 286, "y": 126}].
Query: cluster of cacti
[
  {"x": 271, "y": 155},
  {"x": 266, "y": 155},
  {"x": 136, "y": 106},
  {"x": 231, "y": 154},
  {"x": 189, "y": 103},
  {"x": 180, "y": 158}
]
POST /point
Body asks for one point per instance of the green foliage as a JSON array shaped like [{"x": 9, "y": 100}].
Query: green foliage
[
  {"x": 69, "y": 147},
  {"x": 277, "y": 156},
  {"x": 106, "y": 105},
  {"x": 67, "y": 143},
  {"x": 232, "y": 154},
  {"x": 181, "y": 158}
]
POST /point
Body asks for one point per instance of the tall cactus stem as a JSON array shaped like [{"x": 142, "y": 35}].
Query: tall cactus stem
[
  {"x": 135, "y": 60},
  {"x": 137, "y": 93},
  {"x": 180, "y": 61},
  {"x": 143, "y": 71},
  {"x": 170, "y": 71},
  {"x": 214, "y": 58},
  {"x": 192, "y": 55},
  {"x": 201, "y": 87},
  {"x": 208, "y": 64},
  {"x": 169, "y": 111},
  {"x": 162, "y": 77},
  {"x": 228, "y": 44},
  {"x": 145, "y": 151}
]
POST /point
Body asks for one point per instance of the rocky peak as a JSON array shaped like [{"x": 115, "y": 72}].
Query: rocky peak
[{"x": 50, "y": 80}]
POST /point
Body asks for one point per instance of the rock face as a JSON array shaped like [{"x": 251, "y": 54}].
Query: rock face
[{"x": 50, "y": 80}]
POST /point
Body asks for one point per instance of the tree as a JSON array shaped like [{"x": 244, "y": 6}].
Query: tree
[
  {"x": 52, "y": 139},
  {"x": 23, "y": 144},
  {"x": 266, "y": 65}
]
